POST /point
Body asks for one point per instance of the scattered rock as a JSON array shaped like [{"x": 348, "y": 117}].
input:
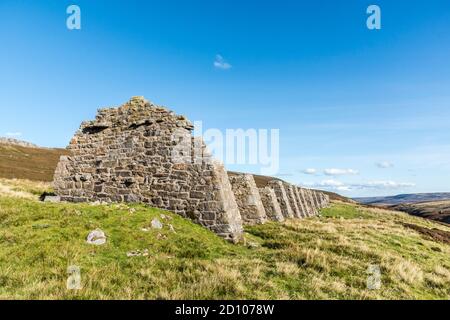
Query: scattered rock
[
  {"x": 52, "y": 199},
  {"x": 138, "y": 253},
  {"x": 161, "y": 236},
  {"x": 96, "y": 237},
  {"x": 145, "y": 229},
  {"x": 121, "y": 206},
  {"x": 165, "y": 217},
  {"x": 132, "y": 210},
  {"x": 252, "y": 245},
  {"x": 171, "y": 228},
  {"x": 156, "y": 224}
]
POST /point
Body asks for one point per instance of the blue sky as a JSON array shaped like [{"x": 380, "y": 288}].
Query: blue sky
[{"x": 368, "y": 110}]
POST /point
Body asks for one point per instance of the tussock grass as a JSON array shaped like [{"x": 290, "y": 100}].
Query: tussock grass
[
  {"x": 325, "y": 257},
  {"x": 23, "y": 188}
]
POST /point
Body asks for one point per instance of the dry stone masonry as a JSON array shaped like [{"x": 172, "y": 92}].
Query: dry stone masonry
[
  {"x": 248, "y": 199},
  {"x": 282, "y": 198},
  {"x": 292, "y": 200},
  {"x": 270, "y": 203},
  {"x": 132, "y": 154}
]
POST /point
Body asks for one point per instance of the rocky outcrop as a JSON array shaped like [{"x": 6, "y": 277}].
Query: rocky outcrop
[{"x": 16, "y": 142}]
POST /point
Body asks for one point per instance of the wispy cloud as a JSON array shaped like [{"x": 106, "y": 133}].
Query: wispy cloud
[
  {"x": 384, "y": 164},
  {"x": 336, "y": 185},
  {"x": 340, "y": 172},
  {"x": 13, "y": 134},
  {"x": 284, "y": 175},
  {"x": 310, "y": 171},
  {"x": 220, "y": 63},
  {"x": 329, "y": 184},
  {"x": 386, "y": 185}
]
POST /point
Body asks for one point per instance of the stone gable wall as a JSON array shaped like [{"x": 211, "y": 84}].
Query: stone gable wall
[{"x": 127, "y": 154}]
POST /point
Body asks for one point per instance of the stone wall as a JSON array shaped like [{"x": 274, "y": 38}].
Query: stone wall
[
  {"x": 248, "y": 199},
  {"x": 140, "y": 152}
]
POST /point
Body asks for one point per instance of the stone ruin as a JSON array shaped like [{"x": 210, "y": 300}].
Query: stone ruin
[{"x": 131, "y": 154}]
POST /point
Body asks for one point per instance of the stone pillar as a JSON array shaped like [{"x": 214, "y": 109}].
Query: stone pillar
[
  {"x": 316, "y": 199},
  {"x": 248, "y": 199},
  {"x": 311, "y": 201},
  {"x": 228, "y": 221},
  {"x": 301, "y": 204},
  {"x": 292, "y": 200},
  {"x": 282, "y": 198},
  {"x": 271, "y": 205},
  {"x": 306, "y": 204}
]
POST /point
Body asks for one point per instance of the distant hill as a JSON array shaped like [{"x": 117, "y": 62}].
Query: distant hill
[
  {"x": 404, "y": 199},
  {"x": 261, "y": 181},
  {"x": 23, "y": 160},
  {"x": 433, "y": 210}
]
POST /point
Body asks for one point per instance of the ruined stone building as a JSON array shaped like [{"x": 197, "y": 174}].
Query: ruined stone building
[{"x": 140, "y": 152}]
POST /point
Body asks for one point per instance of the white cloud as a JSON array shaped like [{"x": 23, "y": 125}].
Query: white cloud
[
  {"x": 386, "y": 185},
  {"x": 384, "y": 164},
  {"x": 331, "y": 184},
  {"x": 310, "y": 171},
  {"x": 340, "y": 172},
  {"x": 220, "y": 63},
  {"x": 13, "y": 134}
]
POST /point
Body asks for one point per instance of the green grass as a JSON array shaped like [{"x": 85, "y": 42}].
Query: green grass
[{"x": 316, "y": 258}]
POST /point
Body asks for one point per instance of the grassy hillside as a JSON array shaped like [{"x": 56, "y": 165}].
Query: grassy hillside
[
  {"x": 434, "y": 210},
  {"x": 28, "y": 163},
  {"x": 316, "y": 258}
]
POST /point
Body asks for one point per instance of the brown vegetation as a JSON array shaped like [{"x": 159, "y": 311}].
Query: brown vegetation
[
  {"x": 37, "y": 164},
  {"x": 433, "y": 210}
]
